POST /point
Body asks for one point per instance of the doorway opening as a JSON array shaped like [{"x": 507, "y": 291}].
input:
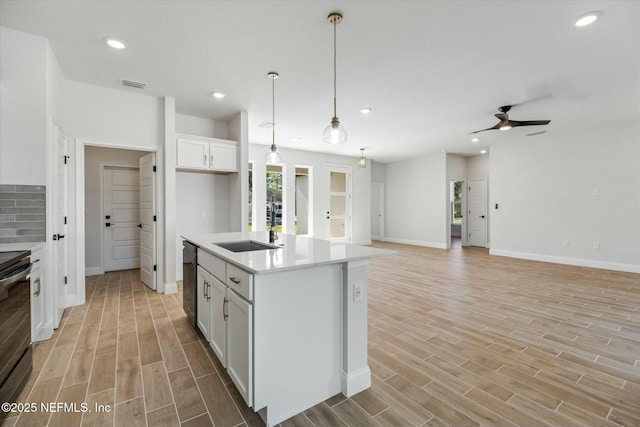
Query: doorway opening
[
  {"x": 377, "y": 211},
  {"x": 250, "y": 191},
  {"x": 457, "y": 225}
]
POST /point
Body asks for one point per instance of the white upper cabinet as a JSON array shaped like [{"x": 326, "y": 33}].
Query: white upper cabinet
[{"x": 206, "y": 154}]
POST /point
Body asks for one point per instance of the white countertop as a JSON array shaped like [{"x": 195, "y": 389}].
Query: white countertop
[
  {"x": 296, "y": 251},
  {"x": 30, "y": 246}
]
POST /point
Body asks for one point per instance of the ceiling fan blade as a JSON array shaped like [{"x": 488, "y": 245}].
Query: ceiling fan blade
[
  {"x": 515, "y": 123},
  {"x": 497, "y": 126}
]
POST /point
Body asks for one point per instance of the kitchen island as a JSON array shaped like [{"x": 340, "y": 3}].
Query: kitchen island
[{"x": 288, "y": 320}]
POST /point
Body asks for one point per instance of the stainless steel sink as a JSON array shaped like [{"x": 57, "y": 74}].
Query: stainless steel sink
[{"x": 245, "y": 246}]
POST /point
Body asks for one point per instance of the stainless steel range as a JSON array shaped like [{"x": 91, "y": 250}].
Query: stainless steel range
[{"x": 15, "y": 324}]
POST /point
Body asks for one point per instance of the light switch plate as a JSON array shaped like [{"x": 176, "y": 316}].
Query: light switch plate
[{"x": 358, "y": 292}]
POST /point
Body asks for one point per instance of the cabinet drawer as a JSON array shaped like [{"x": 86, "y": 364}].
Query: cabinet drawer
[
  {"x": 240, "y": 281},
  {"x": 213, "y": 265}
]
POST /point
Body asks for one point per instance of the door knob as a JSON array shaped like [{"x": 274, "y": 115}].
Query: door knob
[
  {"x": 481, "y": 216},
  {"x": 139, "y": 225}
]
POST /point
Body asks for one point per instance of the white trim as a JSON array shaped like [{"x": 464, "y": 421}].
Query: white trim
[
  {"x": 605, "y": 265},
  {"x": 170, "y": 288},
  {"x": 356, "y": 381},
  {"x": 362, "y": 242},
  {"x": 417, "y": 243}
]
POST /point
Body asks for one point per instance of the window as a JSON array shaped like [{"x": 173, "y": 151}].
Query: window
[{"x": 274, "y": 208}]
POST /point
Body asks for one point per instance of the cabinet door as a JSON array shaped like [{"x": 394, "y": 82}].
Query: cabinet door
[
  {"x": 218, "y": 320},
  {"x": 223, "y": 157},
  {"x": 37, "y": 304},
  {"x": 240, "y": 345},
  {"x": 203, "y": 289},
  {"x": 193, "y": 154}
]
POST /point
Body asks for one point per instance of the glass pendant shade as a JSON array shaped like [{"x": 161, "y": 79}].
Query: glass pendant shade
[
  {"x": 362, "y": 161},
  {"x": 273, "y": 155},
  {"x": 335, "y": 133}
]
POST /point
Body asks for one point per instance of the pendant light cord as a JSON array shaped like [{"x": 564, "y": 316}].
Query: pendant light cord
[
  {"x": 334, "y": 67},
  {"x": 273, "y": 113}
]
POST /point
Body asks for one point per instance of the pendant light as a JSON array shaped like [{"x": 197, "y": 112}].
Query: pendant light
[
  {"x": 273, "y": 155},
  {"x": 335, "y": 133},
  {"x": 362, "y": 161}
]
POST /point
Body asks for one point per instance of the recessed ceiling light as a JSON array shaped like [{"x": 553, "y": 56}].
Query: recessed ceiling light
[
  {"x": 475, "y": 140},
  {"x": 366, "y": 110},
  {"x": 296, "y": 139},
  {"x": 588, "y": 18},
  {"x": 218, "y": 95},
  {"x": 115, "y": 43},
  {"x": 483, "y": 151}
]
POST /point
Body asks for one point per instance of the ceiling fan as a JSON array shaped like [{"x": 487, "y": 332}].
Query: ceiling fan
[{"x": 506, "y": 124}]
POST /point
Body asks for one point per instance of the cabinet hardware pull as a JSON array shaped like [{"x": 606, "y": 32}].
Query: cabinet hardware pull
[
  {"x": 211, "y": 161},
  {"x": 35, "y": 260},
  {"x": 225, "y": 313},
  {"x": 235, "y": 280},
  {"x": 204, "y": 290},
  {"x": 205, "y": 160},
  {"x": 37, "y": 282},
  {"x": 208, "y": 292}
]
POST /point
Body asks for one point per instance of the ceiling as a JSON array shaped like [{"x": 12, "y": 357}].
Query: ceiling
[{"x": 432, "y": 71}]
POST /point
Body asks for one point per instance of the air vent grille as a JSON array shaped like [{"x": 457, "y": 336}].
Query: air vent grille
[
  {"x": 266, "y": 125},
  {"x": 133, "y": 83}
]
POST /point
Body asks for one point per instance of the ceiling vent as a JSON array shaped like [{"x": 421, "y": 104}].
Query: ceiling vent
[
  {"x": 133, "y": 83},
  {"x": 266, "y": 125}
]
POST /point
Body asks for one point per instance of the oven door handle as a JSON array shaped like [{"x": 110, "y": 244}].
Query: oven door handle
[{"x": 5, "y": 283}]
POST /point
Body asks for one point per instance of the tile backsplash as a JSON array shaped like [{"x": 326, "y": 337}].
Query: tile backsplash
[{"x": 22, "y": 213}]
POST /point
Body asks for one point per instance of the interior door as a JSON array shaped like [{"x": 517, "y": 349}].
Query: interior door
[
  {"x": 477, "y": 218},
  {"x": 339, "y": 204},
  {"x": 147, "y": 223},
  {"x": 60, "y": 227},
  {"x": 121, "y": 218},
  {"x": 377, "y": 211}
]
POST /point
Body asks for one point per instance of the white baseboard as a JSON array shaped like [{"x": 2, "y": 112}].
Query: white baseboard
[
  {"x": 170, "y": 288},
  {"x": 355, "y": 382},
  {"x": 417, "y": 243},
  {"x": 605, "y": 265},
  {"x": 73, "y": 300},
  {"x": 362, "y": 242},
  {"x": 93, "y": 271}
]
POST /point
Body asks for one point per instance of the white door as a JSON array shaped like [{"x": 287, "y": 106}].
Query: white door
[
  {"x": 60, "y": 225},
  {"x": 338, "y": 225},
  {"x": 121, "y": 218},
  {"x": 377, "y": 211},
  {"x": 477, "y": 218},
  {"x": 147, "y": 223},
  {"x": 239, "y": 344}
]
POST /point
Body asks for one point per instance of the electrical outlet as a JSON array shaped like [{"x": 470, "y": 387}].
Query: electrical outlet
[
  {"x": 358, "y": 292},
  {"x": 596, "y": 245},
  {"x": 596, "y": 192},
  {"x": 566, "y": 243},
  {"x": 565, "y": 193}
]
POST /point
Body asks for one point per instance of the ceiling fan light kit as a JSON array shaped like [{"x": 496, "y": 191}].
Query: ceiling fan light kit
[{"x": 335, "y": 133}]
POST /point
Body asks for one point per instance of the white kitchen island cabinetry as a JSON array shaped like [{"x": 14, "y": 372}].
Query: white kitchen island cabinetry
[
  {"x": 206, "y": 154},
  {"x": 295, "y": 318}
]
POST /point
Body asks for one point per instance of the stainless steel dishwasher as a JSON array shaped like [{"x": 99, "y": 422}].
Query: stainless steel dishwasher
[{"x": 189, "y": 282}]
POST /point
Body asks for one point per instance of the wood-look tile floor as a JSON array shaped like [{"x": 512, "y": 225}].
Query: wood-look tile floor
[{"x": 456, "y": 338}]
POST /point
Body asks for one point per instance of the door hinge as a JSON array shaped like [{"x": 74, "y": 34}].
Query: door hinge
[
  {"x": 154, "y": 218},
  {"x": 154, "y": 168},
  {"x": 65, "y": 159},
  {"x": 65, "y": 280},
  {"x": 65, "y": 220},
  {"x": 155, "y": 268}
]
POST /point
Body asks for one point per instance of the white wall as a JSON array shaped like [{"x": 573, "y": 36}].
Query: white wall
[
  {"x": 100, "y": 116},
  {"x": 478, "y": 167},
  {"x": 377, "y": 171},
  {"x": 317, "y": 162},
  {"x": 545, "y": 191},
  {"x": 94, "y": 159},
  {"x": 23, "y": 104},
  {"x": 416, "y": 201},
  {"x": 199, "y": 126}
]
